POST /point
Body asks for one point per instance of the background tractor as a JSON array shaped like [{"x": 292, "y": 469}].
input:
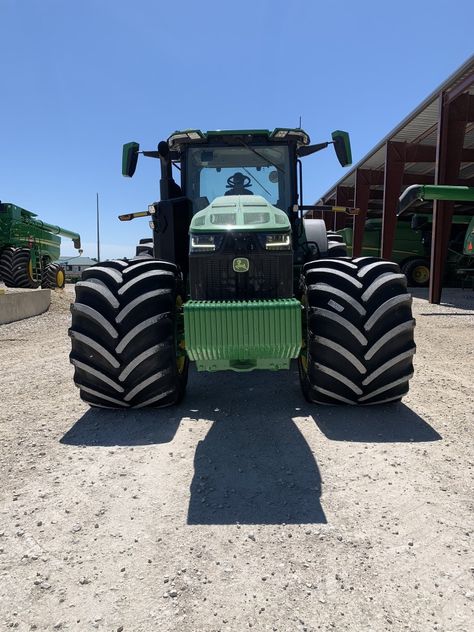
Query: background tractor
[
  {"x": 29, "y": 248},
  {"x": 412, "y": 245},
  {"x": 235, "y": 277},
  {"x": 460, "y": 256}
]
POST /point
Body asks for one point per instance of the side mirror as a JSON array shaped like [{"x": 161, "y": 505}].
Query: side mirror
[
  {"x": 342, "y": 146},
  {"x": 306, "y": 150},
  {"x": 129, "y": 159}
]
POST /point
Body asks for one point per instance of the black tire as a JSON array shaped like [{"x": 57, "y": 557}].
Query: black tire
[
  {"x": 125, "y": 335},
  {"x": 417, "y": 272},
  {"x": 53, "y": 276},
  {"x": 336, "y": 249},
  {"x": 359, "y": 343},
  {"x": 23, "y": 272},
  {"x": 6, "y": 266},
  {"x": 145, "y": 247},
  {"x": 335, "y": 237}
]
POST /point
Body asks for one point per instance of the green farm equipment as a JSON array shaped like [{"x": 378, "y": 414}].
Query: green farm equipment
[
  {"x": 460, "y": 259},
  {"x": 412, "y": 245},
  {"x": 236, "y": 278},
  {"x": 29, "y": 248},
  {"x": 412, "y": 242}
]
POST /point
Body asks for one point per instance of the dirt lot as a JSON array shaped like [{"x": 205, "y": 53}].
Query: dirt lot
[{"x": 244, "y": 507}]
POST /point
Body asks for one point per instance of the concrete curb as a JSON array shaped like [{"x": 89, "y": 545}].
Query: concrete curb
[{"x": 18, "y": 305}]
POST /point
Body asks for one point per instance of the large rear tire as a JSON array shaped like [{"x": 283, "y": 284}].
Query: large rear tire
[
  {"x": 126, "y": 335},
  {"x": 24, "y": 275},
  {"x": 359, "y": 344},
  {"x": 6, "y": 266},
  {"x": 336, "y": 245},
  {"x": 145, "y": 247},
  {"x": 336, "y": 249}
]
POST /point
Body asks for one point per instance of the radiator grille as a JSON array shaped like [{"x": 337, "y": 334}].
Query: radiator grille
[{"x": 270, "y": 274}]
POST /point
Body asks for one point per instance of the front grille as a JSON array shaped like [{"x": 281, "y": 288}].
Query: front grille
[{"x": 213, "y": 278}]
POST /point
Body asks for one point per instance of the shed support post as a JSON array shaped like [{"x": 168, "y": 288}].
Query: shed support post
[
  {"x": 327, "y": 217},
  {"x": 393, "y": 181},
  {"x": 361, "y": 201},
  {"x": 342, "y": 199},
  {"x": 453, "y": 116}
]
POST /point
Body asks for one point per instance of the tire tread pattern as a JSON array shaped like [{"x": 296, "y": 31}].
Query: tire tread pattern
[
  {"x": 14, "y": 268},
  {"x": 123, "y": 335},
  {"x": 50, "y": 275},
  {"x": 357, "y": 356},
  {"x": 145, "y": 247},
  {"x": 6, "y": 266}
]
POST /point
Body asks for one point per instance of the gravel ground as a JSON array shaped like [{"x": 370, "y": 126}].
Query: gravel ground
[{"x": 244, "y": 507}]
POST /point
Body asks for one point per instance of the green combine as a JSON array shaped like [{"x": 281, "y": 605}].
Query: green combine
[
  {"x": 29, "y": 248},
  {"x": 413, "y": 234},
  {"x": 234, "y": 277},
  {"x": 460, "y": 258}
]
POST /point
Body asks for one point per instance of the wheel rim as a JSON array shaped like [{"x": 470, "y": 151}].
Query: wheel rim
[
  {"x": 180, "y": 347},
  {"x": 303, "y": 357},
  {"x": 421, "y": 274},
  {"x": 60, "y": 278},
  {"x": 30, "y": 269},
  {"x": 180, "y": 363},
  {"x": 304, "y": 361}
]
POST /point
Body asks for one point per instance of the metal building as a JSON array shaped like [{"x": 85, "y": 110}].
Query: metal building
[{"x": 432, "y": 145}]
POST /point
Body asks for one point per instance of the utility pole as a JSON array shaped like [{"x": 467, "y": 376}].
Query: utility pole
[{"x": 98, "y": 231}]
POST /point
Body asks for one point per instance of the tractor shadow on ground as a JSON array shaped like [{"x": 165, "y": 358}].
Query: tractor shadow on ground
[
  {"x": 101, "y": 427},
  {"x": 254, "y": 466},
  {"x": 390, "y": 423}
]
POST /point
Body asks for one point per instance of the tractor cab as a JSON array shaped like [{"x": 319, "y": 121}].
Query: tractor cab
[{"x": 231, "y": 164}]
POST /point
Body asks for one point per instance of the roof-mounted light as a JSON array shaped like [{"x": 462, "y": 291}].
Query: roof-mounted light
[
  {"x": 186, "y": 136},
  {"x": 281, "y": 133}
]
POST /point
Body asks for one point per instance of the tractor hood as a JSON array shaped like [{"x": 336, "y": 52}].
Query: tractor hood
[{"x": 240, "y": 212}]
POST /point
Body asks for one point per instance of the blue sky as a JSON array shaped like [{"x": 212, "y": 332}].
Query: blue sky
[{"x": 80, "y": 78}]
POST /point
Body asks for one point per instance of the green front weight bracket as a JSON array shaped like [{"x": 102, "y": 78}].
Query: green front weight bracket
[{"x": 242, "y": 335}]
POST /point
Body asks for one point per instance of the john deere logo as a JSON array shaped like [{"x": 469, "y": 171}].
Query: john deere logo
[{"x": 241, "y": 264}]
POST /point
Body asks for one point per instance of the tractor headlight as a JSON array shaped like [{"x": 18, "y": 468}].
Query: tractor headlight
[
  {"x": 202, "y": 243},
  {"x": 278, "y": 242}
]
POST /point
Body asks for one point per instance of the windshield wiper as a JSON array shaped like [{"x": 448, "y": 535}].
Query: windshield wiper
[
  {"x": 254, "y": 178},
  {"x": 260, "y": 155}
]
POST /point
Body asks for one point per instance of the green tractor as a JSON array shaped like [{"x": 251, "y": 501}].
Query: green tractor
[
  {"x": 236, "y": 278},
  {"x": 29, "y": 249}
]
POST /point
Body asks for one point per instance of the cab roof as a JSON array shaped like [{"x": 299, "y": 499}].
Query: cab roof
[{"x": 279, "y": 134}]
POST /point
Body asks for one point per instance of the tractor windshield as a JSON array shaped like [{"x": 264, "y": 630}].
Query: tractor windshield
[{"x": 230, "y": 170}]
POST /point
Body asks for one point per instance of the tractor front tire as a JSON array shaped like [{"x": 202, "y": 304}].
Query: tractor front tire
[
  {"x": 125, "y": 335},
  {"x": 53, "y": 277},
  {"x": 359, "y": 343}
]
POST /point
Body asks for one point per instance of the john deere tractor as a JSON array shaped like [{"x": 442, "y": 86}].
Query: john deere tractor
[
  {"x": 29, "y": 248},
  {"x": 236, "y": 278}
]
